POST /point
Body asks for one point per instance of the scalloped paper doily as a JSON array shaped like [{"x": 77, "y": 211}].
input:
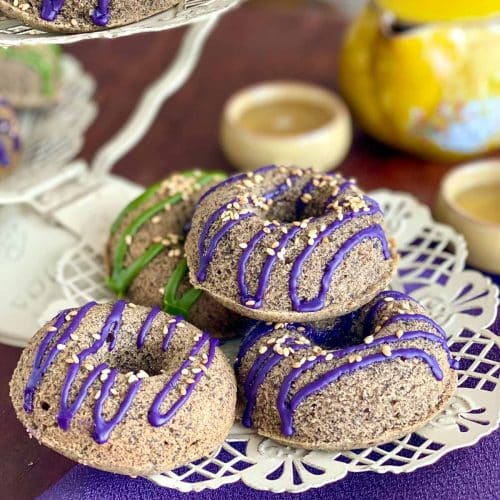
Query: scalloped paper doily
[{"x": 432, "y": 269}]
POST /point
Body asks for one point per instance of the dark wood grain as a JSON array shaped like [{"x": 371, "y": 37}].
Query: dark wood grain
[{"x": 250, "y": 45}]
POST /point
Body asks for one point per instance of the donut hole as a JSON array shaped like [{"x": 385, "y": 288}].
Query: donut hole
[
  {"x": 288, "y": 208},
  {"x": 131, "y": 360},
  {"x": 45, "y": 406}
]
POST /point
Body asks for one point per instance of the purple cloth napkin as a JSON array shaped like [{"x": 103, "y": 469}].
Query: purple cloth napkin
[{"x": 468, "y": 473}]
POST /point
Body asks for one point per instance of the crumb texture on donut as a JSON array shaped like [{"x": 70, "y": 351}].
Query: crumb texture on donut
[
  {"x": 77, "y": 16},
  {"x": 124, "y": 388},
  {"x": 395, "y": 377},
  {"x": 145, "y": 253},
  {"x": 287, "y": 244}
]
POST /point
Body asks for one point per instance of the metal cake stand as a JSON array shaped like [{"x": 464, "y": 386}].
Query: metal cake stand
[{"x": 50, "y": 212}]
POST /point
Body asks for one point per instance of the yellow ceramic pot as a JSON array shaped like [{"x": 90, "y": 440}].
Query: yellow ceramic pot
[{"x": 427, "y": 85}]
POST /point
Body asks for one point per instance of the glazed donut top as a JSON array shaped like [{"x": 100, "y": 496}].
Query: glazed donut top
[
  {"x": 155, "y": 201},
  {"x": 326, "y": 203},
  {"x": 393, "y": 325},
  {"x": 92, "y": 358},
  {"x": 8, "y": 133}
]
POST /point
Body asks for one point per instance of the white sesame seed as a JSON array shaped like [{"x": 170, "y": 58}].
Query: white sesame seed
[
  {"x": 97, "y": 395},
  {"x": 196, "y": 370},
  {"x": 243, "y": 245},
  {"x": 329, "y": 356},
  {"x": 399, "y": 333},
  {"x": 368, "y": 340},
  {"x": 270, "y": 251},
  {"x": 358, "y": 358},
  {"x": 262, "y": 349},
  {"x": 250, "y": 303},
  {"x": 388, "y": 299},
  {"x": 52, "y": 329},
  {"x": 190, "y": 381},
  {"x": 96, "y": 336},
  {"x": 386, "y": 350},
  {"x": 128, "y": 239},
  {"x": 156, "y": 219},
  {"x": 60, "y": 347}
]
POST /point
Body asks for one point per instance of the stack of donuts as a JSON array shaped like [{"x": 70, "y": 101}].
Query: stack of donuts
[{"x": 296, "y": 265}]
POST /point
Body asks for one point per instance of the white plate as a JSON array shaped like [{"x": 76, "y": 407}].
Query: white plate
[
  {"x": 13, "y": 32},
  {"x": 432, "y": 269},
  {"x": 52, "y": 137}
]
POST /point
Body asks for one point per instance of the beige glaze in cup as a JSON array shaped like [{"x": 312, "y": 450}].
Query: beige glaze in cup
[
  {"x": 482, "y": 235},
  {"x": 285, "y": 123}
]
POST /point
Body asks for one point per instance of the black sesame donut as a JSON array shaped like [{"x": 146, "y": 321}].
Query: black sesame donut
[
  {"x": 396, "y": 374},
  {"x": 145, "y": 253},
  {"x": 79, "y": 16},
  {"x": 124, "y": 388},
  {"x": 10, "y": 143},
  {"x": 31, "y": 75},
  {"x": 286, "y": 244}
]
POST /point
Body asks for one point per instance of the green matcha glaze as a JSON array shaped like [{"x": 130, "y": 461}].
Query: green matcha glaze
[
  {"x": 45, "y": 66},
  {"x": 182, "y": 305},
  {"x": 122, "y": 277}
]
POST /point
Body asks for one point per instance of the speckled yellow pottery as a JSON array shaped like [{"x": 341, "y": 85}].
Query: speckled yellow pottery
[{"x": 425, "y": 76}]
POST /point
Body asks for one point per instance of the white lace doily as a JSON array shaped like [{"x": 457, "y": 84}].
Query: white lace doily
[
  {"x": 13, "y": 32},
  {"x": 432, "y": 269},
  {"x": 52, "y": 137}
]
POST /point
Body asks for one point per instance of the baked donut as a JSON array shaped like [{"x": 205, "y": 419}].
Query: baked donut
[
  {"x": 10, "y": 142},
  {"x": 145, "y": 253},
  {"x": 79, "y": 16},
  {"x": 31, "y": 75},
  {"x": 124, "y": 388},
  {"x": 395, "y": 376},
  {"x": 287, "y": 244}
]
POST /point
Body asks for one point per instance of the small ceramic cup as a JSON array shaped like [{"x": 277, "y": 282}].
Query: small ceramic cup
[
  {"x": 482, "y": 235},
  {"x": 287, "y": 123}
]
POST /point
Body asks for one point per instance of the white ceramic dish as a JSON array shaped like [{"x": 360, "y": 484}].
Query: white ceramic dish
[{"x": 483, "y": 237}]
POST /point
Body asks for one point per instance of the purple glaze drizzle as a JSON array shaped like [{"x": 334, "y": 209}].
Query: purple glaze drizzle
[
  {"x": 6, "y": 129},
  {"x": 39, "y": 366},
  {"x": 317, "y": 303},
  {"x": 67, "y": 410},
  {"x": 378, "y": 304},
  {"x": 266, "y": 269},
  {"x": 170, "y": 332},
  {"x": 233, "y": 179},
  {"x": 141, "y": 337},
  {"x": 103, "y": 428},
  {"x": 155, "y": 417},
  {"x": 415, "y": 317},
  {"x": 286, "y": 410},
  {"x": 206, "y": 256},
  {"x": 100, "y": 16},
  {"x": 50, "y": 9},
  {"x": 108, "y": 334},
  {"x": 264, "y": 363}
]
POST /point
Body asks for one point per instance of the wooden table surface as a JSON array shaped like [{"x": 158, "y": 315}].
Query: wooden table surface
[{"x": 251, "y": 44}]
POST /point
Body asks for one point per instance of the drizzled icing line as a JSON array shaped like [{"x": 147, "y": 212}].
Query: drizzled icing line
[
  {"x": 50, "y": 9},
  {"x": 255, "y": 301},
  {"x": 67, "y": 410},
  {"x": 265, "y": 362},
  {"x": 7, "y": 130}
]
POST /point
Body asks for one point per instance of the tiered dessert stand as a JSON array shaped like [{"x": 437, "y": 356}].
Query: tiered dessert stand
[
  {"x": 46, "y": 206},
  {"x": 50, "y": 258}
]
